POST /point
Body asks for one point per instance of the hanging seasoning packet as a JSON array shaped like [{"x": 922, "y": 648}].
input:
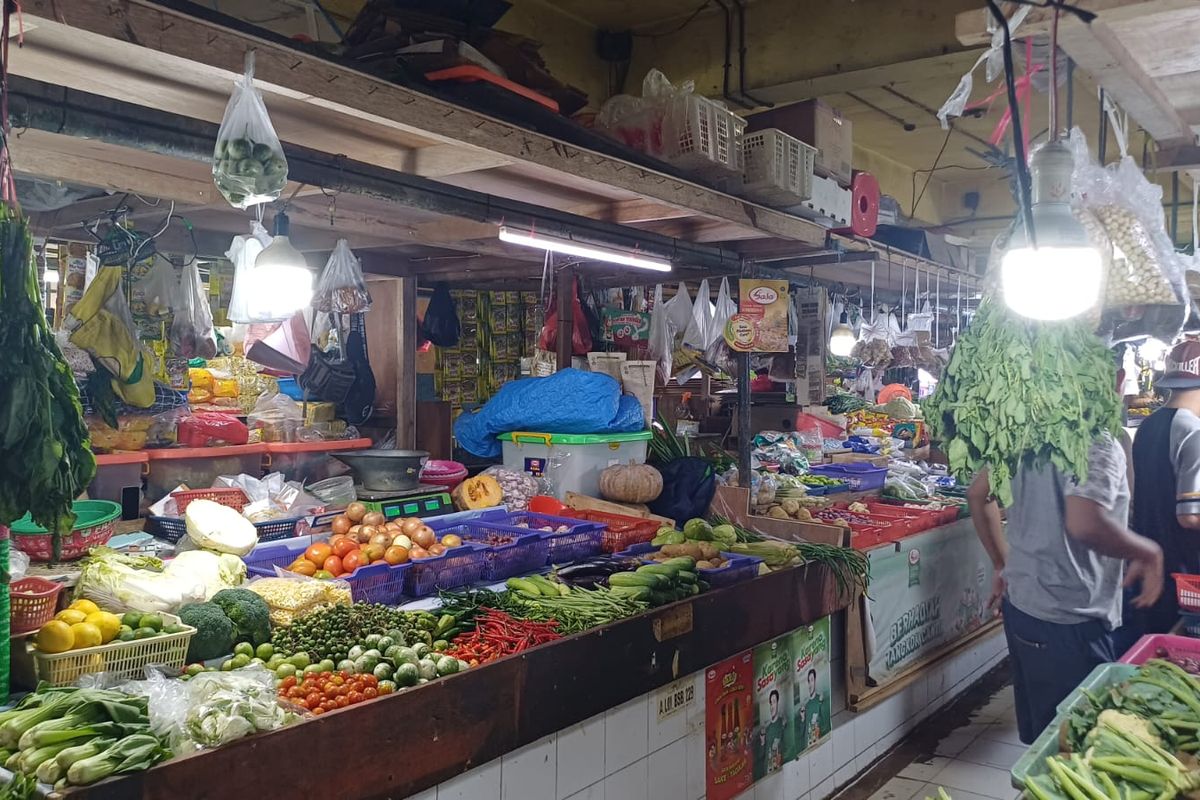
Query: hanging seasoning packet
[{"x": 248, "y": 163}]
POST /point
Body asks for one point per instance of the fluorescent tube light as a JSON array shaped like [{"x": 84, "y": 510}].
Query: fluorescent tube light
[{"x": 558, "y": 244}]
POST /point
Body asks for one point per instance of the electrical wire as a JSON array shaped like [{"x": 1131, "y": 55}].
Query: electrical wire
[
  {"x": 941, "y": 150},
  {"x": 1023, "y": 188}
]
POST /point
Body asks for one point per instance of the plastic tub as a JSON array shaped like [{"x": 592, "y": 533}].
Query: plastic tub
[
  {"x": 620, "y": 531},
  {"x": 375, "y": 583},
  {"x": 198, "y": 467},
  {"x": 571, "y": 462},
  {"x": 447, "y": 474},
  {"x": 737, "y": 568},
  {"x": 1152, "y": 645},
  {"x": 309, "y": 462},
  {"x": 95, "y": 523},
  {"x": 458, "y": 566},
  {"x": 581, "y": 539},
  {"x": 527, "y": 551},
  {"x": 862, "y": 476},
  {"x": 172, "y": 529},
  {"x": 119, "y": 480}
]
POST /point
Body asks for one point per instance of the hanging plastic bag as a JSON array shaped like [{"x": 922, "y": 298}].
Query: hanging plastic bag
[
  {"x": 695, "y": 335},
  {"x": 192, "y": 331},
  {"x": 679, "y": 316},
  {"x": 159, "y": 289},
  {"x": 101, "y": 324},
  {"x": 872, "y": 347},
  {"x": 581, "y": 337},
  {"x": 248, "y": 162},
  {"x": 717, "y": 353},
  {"x": 440, "y": 325},
  {"x": 341, "y": 287},
  {"x": 243, "y": 252},
  {"x": 660, "y": 335}
]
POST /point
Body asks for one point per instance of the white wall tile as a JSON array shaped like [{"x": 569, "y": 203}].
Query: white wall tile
[
  {"x": 844, "y": 775},
  {"x": 580, "y": 750},
  {"x": 667, "y": 772},
  {"x": 629, "y": 783},
  {"x": 481, "y": 783},
  {"x": 795, "y": 779},
  {"x": 837, "y": 684},
  {"x": 674, "y": 727},
  {"x": 625, "y": 734},
  {"x": 696, "y": 763},
  {"x": 530, "y": 771},
  {"x": 843, "y": 739},
  {"x": 428, "y": 794},
  {"x": 593, "y": 792},
  {"x": 820, "y": 763},
  {"x": 770, "y": 787},
  {"x": 822, "y": 790}
]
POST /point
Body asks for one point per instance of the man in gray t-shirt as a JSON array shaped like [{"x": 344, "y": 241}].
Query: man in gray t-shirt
[{"x": 1059, "y": 574}]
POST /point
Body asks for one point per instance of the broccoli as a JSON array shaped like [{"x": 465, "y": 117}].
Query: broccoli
[
  {"x": 215, "y": 632},
  {"x": 249, "y": 612}
]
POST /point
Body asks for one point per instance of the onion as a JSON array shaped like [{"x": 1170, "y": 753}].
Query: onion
[
  {"x": 356, "y": 511},
  {"x": 365, "y": 532},
  {"x": 424, "y": 537},
  {"x": 402, "y": 541},
  {"x": 417, "y": 552},
  {"x": 380, "y": 537},
  {"x": 374, "y": 518},
  {"x": 436, "y": 549},
  {"x": 410, "y": 525},
  {"x": 341, "y": 524}
]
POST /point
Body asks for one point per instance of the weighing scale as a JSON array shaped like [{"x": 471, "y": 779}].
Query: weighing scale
[{"x": 423, "y": 501}]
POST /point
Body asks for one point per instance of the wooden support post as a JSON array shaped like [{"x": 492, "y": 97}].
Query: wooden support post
[
  {"x": 406, "y": 369},
  {"x": 565, "y": 282}
]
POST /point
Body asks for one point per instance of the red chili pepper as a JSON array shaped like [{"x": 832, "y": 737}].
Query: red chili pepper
[{"x": 498, "y": 634}]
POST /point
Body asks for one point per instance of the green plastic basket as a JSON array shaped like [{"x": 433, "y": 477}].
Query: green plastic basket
[{"x": 95, "y": 523}]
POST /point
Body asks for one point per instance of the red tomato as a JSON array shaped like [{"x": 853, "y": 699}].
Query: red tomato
[
  {"x": 313, "y": 700},
  {"x": 370, "y": 693},
  {"x": 353, "y": 560},
  {"x": 337, "y": 680},
  {"x": 318, "y": 711},
  {"x": 333, "y": 565},
  {"x": 288, "y": 682},
  {"x": 329, "y": 705},
  {"x": 342, "y": 702},
  {"x": 331, "y": 691},
  {"x": 344, "y": 546},
  {"x": 370, "y": 680},
  {"x": 318, "y": 552},
  {"x": 355, "y": 697}
]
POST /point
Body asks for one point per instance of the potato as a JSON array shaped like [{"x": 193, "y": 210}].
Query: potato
[
  {"x": 692, "y": 549},
  {"x": 708, "y": 551},
  {"x": 777, "y": 513},
  {"x": 672, "y": 550},
  {"x": 703, "y": 565}
]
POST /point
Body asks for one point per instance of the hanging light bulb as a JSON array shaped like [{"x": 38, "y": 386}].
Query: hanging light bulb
[
  {"x": 841, "y": 341},
  {"x": 1060, "y": 277},
  {"x": 281, "y": 282}
]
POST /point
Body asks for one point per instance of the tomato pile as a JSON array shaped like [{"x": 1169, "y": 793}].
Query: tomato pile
[{"x": 321, "y": 692}]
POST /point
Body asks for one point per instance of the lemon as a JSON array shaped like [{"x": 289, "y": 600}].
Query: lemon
[
  {"x": 86, "y": 606},
  {"x": 86, "y": 635},
  {"x": 55, "y": 637},
  {"x": 71, "y": 616},
  {"x": 109, "y": 624}
]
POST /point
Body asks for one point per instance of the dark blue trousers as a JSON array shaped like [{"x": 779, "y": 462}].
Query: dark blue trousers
[{"x": 1048, "y": 661}]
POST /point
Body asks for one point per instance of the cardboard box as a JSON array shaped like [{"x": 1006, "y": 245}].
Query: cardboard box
[
  {"x": 733, "y": 503},
  {"x": 821, "y": 126}
]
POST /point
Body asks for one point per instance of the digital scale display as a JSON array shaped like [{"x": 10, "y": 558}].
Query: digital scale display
[{"x": 424, "y": 501}]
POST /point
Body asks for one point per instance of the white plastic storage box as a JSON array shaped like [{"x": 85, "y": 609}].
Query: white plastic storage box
[
  {"x": 119, "y": 479},
  {"x": 198, "y": 467},
  {"x": 566, "y": 462},
  {"x": 309, "y": 462},
  {"x": 778, "y": 167}
]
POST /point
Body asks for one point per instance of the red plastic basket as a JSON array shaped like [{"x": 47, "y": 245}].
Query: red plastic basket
[
  {"x": 1160, "y": 645},
  {"x": 234, "y": 498},
  {"x": 32, "y": 601},
  {"x": 1187, "y": 591},
  {"x": 620, "y": 532}
]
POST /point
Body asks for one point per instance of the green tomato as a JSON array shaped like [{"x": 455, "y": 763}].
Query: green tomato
[
  {"x": 300, "y": 660},
  {"x": 227, "y": 666},
  {"x": 285, "y": 670},
  {"x": 326, "y": 664},
  {"x": 265, "y": 651},
  {"x": 240, "y": 660},
  {"x": 243, "y": 648},
  {"x": 312, "y": 669}
]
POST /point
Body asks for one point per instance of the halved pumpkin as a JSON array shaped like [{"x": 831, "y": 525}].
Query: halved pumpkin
[{"x": 482, "y": 491}]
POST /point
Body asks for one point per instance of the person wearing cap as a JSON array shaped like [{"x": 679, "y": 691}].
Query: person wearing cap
[
  {"x": 1059, "y": 570},
  {"x": 1166, "y": 497}
]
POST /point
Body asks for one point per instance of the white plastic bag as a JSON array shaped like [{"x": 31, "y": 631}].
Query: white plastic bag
[
  {"x": 717, "y": 353},
  {"x": 660, "y": 335},
  {"x": 341, "y": 287},
  {"x": 248, "y": 162},
  {"x": 243, "y": 252},
  {"x": 159, "y": 288},
  {"x": 192, "y": 331},
  {"x": 696, "y": 334}
]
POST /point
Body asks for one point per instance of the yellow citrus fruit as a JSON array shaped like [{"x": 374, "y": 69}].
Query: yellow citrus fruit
[
  {"x": 109, "y": 624},
  {"x": 55, "y": 637},
  {"x": 86, "y": 606},
  {"x": 86, "y": 635},
  {"x": 71, "y": 615}
]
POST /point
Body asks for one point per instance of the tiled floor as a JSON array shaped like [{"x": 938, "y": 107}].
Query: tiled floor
[{"x": 971, "y": 760}]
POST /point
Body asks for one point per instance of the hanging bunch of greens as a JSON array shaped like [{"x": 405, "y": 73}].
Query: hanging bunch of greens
[
  {"x": 1017, "y": 392},
  {"x": 45, "y": 457}
]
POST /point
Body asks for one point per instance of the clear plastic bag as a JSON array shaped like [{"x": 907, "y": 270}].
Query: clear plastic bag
[
  {"x": 717, "y": 353},
  {"x": 696, "y": 334},
  {"x": 873, "y": 348},
  {"x": 660, "y": 335},
  {"x": 192, "y": 331},
  {"x": 243, "y": 252},
  {"x": 159, "y": 289},
  {"x": 341, "y": 287},
  {"x": 248, "y": 162}
]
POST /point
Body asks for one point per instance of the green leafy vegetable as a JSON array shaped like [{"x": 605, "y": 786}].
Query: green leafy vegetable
[{"x": 1021, "y": 393}]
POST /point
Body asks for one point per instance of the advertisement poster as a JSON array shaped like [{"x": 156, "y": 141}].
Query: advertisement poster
[
  {"x": 928, "y": 595},
  {"x": 812, "y": 684},
  {"x": 626, "y": 327},
  {"x": 728, "y": 726},
  {"x": 761, "y": 324},
  {"x": 773, "y": 742}
]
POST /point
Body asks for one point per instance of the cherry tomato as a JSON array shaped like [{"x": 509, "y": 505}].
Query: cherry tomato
[
  {"x": 370, "y": 680},
  {"x": 337, "y": 680},
  {"x": 331, "y": 691},
  {"x": 344, "y": 675},
  {"x": 329, "y": 705},
  {"x": 342, "y": 702},
  {"x": 370, "y": 693},
  {"x": 318, "y": 711},
  {"x": 355, "y": 697},
  {"x": 313, "y": 699},
  {"x": 289, "y": 682}
]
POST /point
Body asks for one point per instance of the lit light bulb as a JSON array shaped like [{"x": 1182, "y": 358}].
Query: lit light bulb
[
  {"x": 281, "y": 282},
  {"x": 842, "y": 340}
]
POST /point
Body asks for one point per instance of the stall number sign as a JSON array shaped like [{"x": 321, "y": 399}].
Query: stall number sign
[
  {"x": 675, "y": 697},
  {"x": 535, "y": 466}
]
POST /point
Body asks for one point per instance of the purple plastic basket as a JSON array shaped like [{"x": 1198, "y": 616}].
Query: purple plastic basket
[
  {"x": 582, "y": 539},
  {"x": 175, "y": 528},
  {"x": 737, "y": 569},
  {"x": 862, "y": 476},
  {"x": 527, "y": 552},
  {"x": 374, "y": 583},
  {"x": 458, "y": 566}
]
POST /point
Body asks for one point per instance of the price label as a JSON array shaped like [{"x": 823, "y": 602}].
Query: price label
[{"x": 675, "y": 697}]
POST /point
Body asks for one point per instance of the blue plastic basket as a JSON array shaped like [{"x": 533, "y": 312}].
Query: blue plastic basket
[
  {"x": 737, "y": 568},
  {"x": 581, "y": 539},
  {"x": 374, "y": 583},
  {"x": 175, "y": 528},
  {"x": 458, "y": 566},
  {"x": 860, "y": 475},
  {"x": 527, "y": 552},
  {"x": 821, "y": 491}
]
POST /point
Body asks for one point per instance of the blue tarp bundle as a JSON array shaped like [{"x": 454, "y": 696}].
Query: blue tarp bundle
[{"x": 569, "y": 401}]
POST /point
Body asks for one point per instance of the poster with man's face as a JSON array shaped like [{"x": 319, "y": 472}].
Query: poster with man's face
[
  {"x": 773, "y": 744},
  {"x": 811, "y": 684}
]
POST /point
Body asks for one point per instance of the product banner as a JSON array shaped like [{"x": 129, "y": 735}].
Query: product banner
[
  {"x": 728, "y": 720},
  {"x": 761, "y": 324},
  {"x": 924, "y": 597}
]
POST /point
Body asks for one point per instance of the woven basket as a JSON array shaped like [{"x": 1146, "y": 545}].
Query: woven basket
[{"x": 95, "y": 523}]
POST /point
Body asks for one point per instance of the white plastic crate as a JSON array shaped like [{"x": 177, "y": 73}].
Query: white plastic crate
[
  {"x": 121, "y": 659},
  {"x": 702, "y": 135},
  {"x": 778, "y": 167}
]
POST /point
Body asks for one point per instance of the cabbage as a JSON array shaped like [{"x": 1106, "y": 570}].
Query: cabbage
[
  {"x": 215, "y": 571},
  {"x": 119, "y": 582},
  {"x": 212, "y": 526}
]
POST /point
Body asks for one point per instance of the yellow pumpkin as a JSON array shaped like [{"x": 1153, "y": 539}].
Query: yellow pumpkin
[
  {"x": 482, "y": 491},
  {"x": 631, "y": 483}
]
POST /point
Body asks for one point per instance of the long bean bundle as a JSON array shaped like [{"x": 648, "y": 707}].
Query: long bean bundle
[{"x": 45, "y": 458}]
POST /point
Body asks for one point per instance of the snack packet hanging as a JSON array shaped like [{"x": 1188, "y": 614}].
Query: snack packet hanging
[
  {"x": 341, "y": 287},
  {"x": 248, "y": 162}
]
